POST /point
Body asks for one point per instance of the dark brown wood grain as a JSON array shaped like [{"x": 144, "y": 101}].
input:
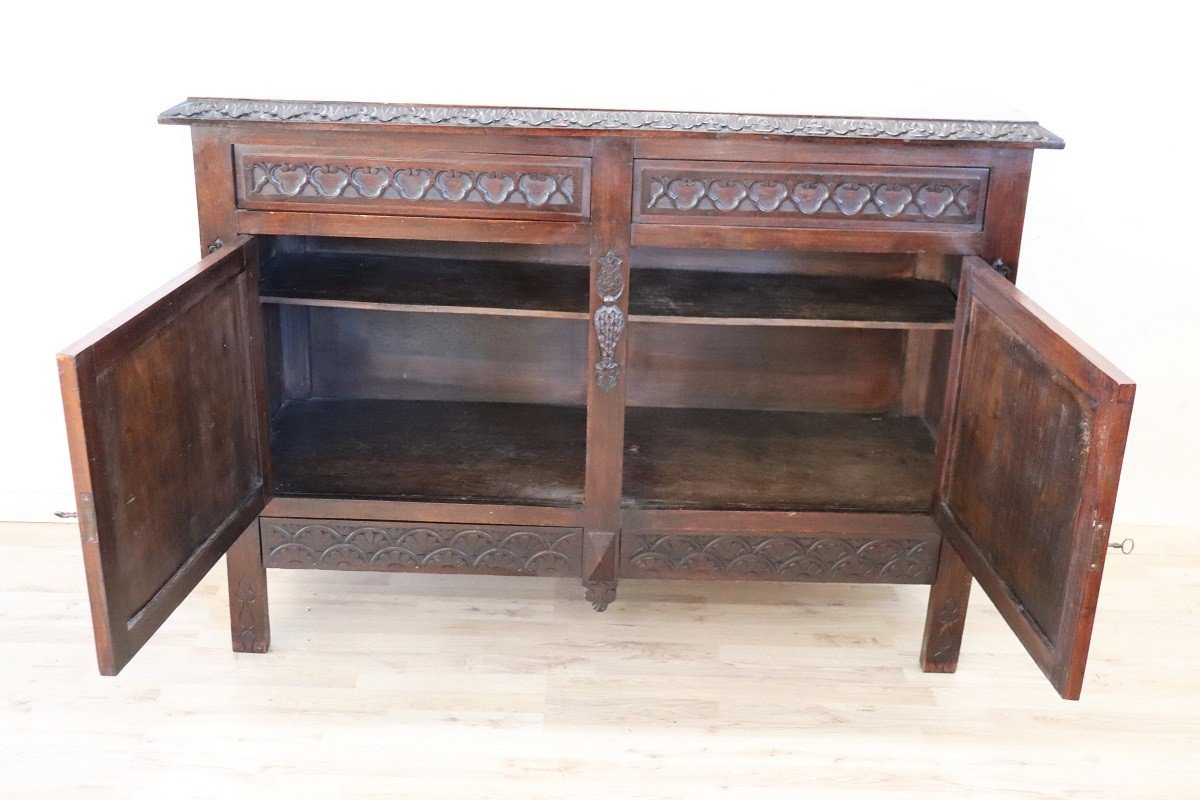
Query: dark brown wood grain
[
  {"x": 765, "y": 367},
  {"x": 603, "y": 344},
  {"x": 249, "y": 619},
  {"x": 418, "y": 356},
  {"x": 946, "y": 614},
  {"x": 430, "y": 451},
  {"x": 724, "y": 298},
  {"x": 165, "y": 421},
  {"x": 608, "y": 368},
  {"x": 432, "y": 284},
  {"x": 770, "y": 460},
  {"x": 1029, "y": 458},
  {"x": 313, "y": 223}
]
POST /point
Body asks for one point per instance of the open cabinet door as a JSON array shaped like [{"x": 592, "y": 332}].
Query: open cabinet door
[
  {"x": 1029, "y": 458},
  {"x": 167, "y": 423}
]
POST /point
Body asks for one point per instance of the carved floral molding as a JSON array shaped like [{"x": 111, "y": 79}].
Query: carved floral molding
[
  {"x": 887, "y": 129},
  {"x": 609, "y": 319}
]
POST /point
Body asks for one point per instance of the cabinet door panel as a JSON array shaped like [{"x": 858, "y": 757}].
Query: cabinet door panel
[
  {"x": 166, "y": 420},
  {"x": 1029, "y": 461}
]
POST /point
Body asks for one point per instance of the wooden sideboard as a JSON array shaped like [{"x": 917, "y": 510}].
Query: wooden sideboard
[{"x": 600, "y": 345}]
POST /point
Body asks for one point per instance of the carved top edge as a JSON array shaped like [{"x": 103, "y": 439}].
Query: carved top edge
[{"x": 996, "y": 132}]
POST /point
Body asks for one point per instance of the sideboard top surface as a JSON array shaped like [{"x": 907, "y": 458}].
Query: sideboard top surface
[{"x": 1006, "y": 133}]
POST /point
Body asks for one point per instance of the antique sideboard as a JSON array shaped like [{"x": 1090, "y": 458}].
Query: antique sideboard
[{"x": 601, "y": 345}]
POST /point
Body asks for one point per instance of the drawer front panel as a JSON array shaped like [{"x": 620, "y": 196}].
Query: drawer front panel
[
  {"x": 809, "y": 196},
  {"x": 692, "y": 555},
  {"x": 420, "y": 547},
  {"x": 445, "y": 185}
]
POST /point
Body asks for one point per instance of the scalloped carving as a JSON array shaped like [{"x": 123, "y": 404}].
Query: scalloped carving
[
  {"x": 409, "y": 547},
  {"x": 783, "y": 558}
]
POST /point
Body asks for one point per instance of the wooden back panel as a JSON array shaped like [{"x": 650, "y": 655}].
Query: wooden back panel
[
  {"x": 422, "y": 356},
  {"x": 762, "y": 367},
  {"x": 166, "y": 419},
  {"x": 1029, "y": 464}
]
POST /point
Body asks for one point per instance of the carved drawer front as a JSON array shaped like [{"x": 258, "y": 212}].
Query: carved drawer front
[
  {"x": 420, "y": 547},
  {"x": 692, "y": 555},
  {"x": 809, "y": 196},
  {"x": 446, "y": 185}
]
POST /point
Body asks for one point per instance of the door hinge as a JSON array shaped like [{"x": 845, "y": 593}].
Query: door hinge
[
  {"x": 1001, "y": 267},
  {"x": 216, "y": 244}
]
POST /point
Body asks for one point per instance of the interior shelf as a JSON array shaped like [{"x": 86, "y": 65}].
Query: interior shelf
[
  {"x": 711, "y": 297},
  {"x": 689, "y": 458},
  {"x": 409, "y": 283},
  {"x": 430, "y": 451}
]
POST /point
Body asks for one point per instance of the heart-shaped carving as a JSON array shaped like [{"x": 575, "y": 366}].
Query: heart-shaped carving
[
  {"x": 453, "y": 185},
  {"x": 330, "y": 181},
  {"x": 851, "y": 197},
  {"x": 369, "y": 181},
  {"x": 767, "y": 195},
  {"x": 933, "y": 200},
  {"x": 258, "y": 177},
  {"x": 892, "y": 200},
  {"x": 809, "y": 197},
  {"x": 495, "y": 187},
  {"x": 537, "y": 188},
  {"x": 288, "y": 179},
  {"x": 413, "y": 183},
  {"x": 966, "y": 200},
  {"x": 726, "y": 195},
  {"x": 685, "y": 194}
]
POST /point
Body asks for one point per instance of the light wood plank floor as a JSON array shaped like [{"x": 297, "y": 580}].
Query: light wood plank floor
[{"x": 395, "y": 686}]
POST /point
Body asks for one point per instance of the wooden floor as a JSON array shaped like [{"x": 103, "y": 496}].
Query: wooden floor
[{"x": 389, "y": 686}]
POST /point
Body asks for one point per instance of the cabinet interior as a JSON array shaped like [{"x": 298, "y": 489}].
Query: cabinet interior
[{"x": 452, "y": 372}]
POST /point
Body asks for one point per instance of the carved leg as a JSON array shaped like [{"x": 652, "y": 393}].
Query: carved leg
[
  {"x": 600, "y": 593},
  {"x": 946, "y": 614},
  {"x": 600, "y": 568},
  {"x": 248, "y": 594}
]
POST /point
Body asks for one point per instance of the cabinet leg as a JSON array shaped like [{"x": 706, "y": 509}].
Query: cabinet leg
[
  {"x": 600, "y": 568},
  {"x": 600, "y": 593},
  {"x": 946, "y": 614},
  {"x": 248, "y": 618}
]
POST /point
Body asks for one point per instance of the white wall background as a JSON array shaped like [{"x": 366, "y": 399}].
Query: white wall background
[{"x": 98, "y": 204}]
